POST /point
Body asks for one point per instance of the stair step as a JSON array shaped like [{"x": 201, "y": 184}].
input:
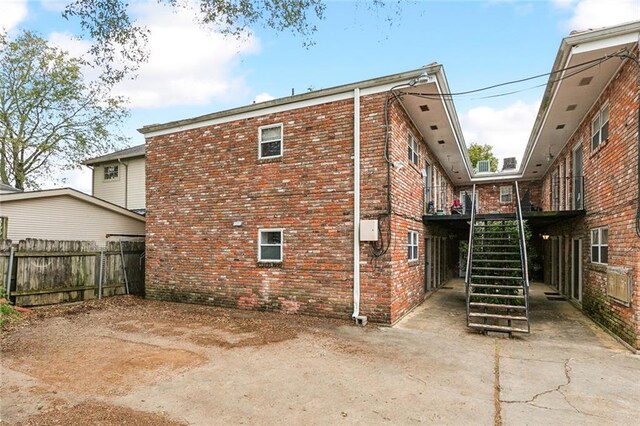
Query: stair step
[
  {"x": 492, "y": 327},
  {"x": 498, "y": 316},
  {"x": 493, "y": 268},
  {"x": 497, "y": 296},
  {"x": 516, "y": 245},
  {"x": 482, "y": 237},
  {"x": 482, "y": 230},
  {"x": 495, "y": 306},
  {"x": 496, "y": 252},
  {"x": 497, "y": 286},
  {"x": 496, "y": 260},
  {"x": 494, "y": 277}
]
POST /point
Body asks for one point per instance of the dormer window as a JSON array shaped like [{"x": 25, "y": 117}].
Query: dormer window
[{"x": 111, "y": 172}]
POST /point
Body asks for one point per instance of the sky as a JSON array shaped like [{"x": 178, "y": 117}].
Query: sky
[{"x": 194, "y": 70}]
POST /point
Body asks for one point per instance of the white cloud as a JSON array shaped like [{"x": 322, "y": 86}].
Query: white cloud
[
  {"x": 263, "y": 97},
  {"x": 188, "y": 64},
  {"x": 13, "y": 12},
  {"x": 506, "y": 130},
  {"x": 54, "y": 5},
  {"x": 593, "y": 14},
  {"x": 79, "y": 179}
]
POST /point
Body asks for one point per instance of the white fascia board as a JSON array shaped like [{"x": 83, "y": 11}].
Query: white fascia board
[
  {"x": 497, "y": 178},
  {"x": 605, "y": 43}
]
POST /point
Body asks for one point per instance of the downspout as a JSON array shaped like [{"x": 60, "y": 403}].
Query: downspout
[
  {"x": 361, "y": 320},
  {"x": 126, "y": 183},
  {"x": 93, "y": 179}
]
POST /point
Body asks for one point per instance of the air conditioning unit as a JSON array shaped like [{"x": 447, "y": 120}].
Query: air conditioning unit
[
  {"x": 484, "y": 166},
  {"x": 509, "y": 163}
]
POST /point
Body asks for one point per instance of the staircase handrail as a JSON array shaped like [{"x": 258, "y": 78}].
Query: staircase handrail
[
  {"x": 522, "y": 238},
  {"x": 467, "y": 276}
]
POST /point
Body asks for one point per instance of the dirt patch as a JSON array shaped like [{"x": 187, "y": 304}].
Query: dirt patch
[
  {"x": 106, "y": 366},
  {"x": 98, "y": 414}
]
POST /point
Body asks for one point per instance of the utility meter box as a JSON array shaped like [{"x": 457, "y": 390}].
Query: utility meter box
[{"x": 368, "y": 230}]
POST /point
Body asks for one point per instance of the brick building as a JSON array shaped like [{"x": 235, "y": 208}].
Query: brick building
[{"x": 337, "y": 202}]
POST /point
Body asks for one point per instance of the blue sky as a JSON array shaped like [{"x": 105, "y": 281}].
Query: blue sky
[{"x": 194, "y": 71}]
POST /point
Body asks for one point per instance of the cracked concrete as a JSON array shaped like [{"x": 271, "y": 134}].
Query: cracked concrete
[
  {"x": 429, "y": 368},
  {"x": 567, "y": 372}
]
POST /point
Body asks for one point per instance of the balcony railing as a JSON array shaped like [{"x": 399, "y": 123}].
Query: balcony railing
[
  {"x": 437, "y": 200},
  {"x": 566, "y": 193}
]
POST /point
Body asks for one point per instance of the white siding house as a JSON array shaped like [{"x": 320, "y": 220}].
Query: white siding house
[
  {"x": 119, "y": 177},
  {"x": 65, "y": 214}
]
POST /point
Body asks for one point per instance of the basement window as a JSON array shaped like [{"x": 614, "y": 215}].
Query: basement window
[
  {"x": 111, "y": 172},
  {"x": 270, "y": 245},
  {"x": 506, "y": 194},
  {"x": 600, "y": 245},
  {"x": 270, "y": 141},
  {"x": 600, "y": 127},
  {"x": 413, "y": 149},
  {"x": 412, "y": 245}
]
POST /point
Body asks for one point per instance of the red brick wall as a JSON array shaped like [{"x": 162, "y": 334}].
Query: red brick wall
[
  {"x": 611, "y": 198},
  {"x": 201, "y": 181}
]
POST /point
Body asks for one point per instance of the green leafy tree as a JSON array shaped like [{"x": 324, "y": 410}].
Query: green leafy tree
[
  {"x": 50, "y": 117},
  {"x": 479, "y": 152}
]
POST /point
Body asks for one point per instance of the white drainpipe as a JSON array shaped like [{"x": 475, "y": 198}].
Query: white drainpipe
[{"x": 356, "y": 209}]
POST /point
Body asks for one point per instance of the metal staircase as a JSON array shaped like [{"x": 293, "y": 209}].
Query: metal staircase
[{"x": 497, "y": 282}]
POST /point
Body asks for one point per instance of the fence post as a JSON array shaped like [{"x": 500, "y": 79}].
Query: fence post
[
  {"x": 101, "y": 273},
  {"x": 124, "y": 268}
]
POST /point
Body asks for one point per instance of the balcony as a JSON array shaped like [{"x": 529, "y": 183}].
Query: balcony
[
  {"x": 541, "y": 203},
  {"x": 566, "y": 193}
]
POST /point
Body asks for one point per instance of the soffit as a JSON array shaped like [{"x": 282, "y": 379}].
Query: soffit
[
  {"x": 575, "y": 93},
  {"x": 436, "y": 120}
]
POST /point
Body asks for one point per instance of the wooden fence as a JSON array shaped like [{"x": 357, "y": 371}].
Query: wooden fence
[{"x": 43, "y": 272}]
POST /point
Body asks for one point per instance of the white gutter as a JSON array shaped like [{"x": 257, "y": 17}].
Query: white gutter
[{"x": 356, "y": 207}]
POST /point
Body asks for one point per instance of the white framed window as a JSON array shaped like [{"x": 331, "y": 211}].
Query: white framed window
[
  {"x": 270, "y": 243},
  {"x": 506, "y": 194},
  {"x": 600, "y": 245},
  {"x": 600, "y": 127},
  {"x": 111, "y": 172},
  {"x": 413, "y": 148},
  {"x": 412, "y": 245},
  {"x": 270, "y": 141}
]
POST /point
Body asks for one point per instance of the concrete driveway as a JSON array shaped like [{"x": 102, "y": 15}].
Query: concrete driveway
[{"x": 142, "y": 362}]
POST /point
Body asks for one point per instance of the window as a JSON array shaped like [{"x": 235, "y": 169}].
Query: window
[
  {"x": 111, "y": 172},
  {"x": 413, "y": 149},
  {"x": 600, "y": 127},
  {"x": 600, "y": 245},
  {"x": 270, "y": 245},
  {"x": 506, "y": 194},
  {"x": 270, "y": 145},
  {"x": 412, "y": 245},
  {"x": 484, "y": 166},
  {"x": 4, "y": 227}
]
